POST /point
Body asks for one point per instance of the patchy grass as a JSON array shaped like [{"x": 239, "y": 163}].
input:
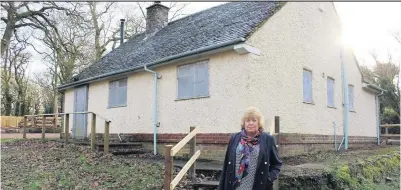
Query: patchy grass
[
  {"x": 8, "y": 140},
  {"x": 51, "y": 165}
]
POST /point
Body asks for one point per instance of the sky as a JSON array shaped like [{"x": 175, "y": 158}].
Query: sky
[{"x": 366, "y": 26}]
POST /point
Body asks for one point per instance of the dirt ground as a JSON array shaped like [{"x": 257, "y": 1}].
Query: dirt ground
[
  {"x": 37, "y": 164},
  {"x": 28, "y": 135}
]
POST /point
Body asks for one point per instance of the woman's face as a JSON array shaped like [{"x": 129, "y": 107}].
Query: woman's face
[{"x": 251, "y": 125}]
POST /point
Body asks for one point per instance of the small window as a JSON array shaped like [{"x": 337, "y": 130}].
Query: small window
[
  {"x": 351, "y": 98},
  {"x": 307, "y": 86},
  {"x": 330, "y": 92},
  {"x": 193, "y": 80},
  {"x": 118, "y": 93}
]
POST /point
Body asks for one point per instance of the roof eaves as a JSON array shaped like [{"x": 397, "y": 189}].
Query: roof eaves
[{"x": 160, "y": 61}]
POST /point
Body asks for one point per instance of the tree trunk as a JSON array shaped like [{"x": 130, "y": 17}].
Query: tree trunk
[{"x": 8, "y": 32}]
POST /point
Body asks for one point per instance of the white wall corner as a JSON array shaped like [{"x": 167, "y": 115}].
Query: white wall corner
[{"x": 245, "y": 48}]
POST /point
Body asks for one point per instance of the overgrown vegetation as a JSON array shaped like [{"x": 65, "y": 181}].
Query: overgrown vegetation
[
  {"x": 366, "y": 173},
  {"x": 36, "y": 164}
]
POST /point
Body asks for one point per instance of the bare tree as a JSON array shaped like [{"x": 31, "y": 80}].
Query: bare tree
[
  {"x": 101, "y": 26},
  {"x": 28, "y": 14}
]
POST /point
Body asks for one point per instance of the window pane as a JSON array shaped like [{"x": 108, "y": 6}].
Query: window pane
[
  {"x": 185, "y": 71},
  {"x": 122, "y": 92},
  {"x": 307, "y": 86},
  {"x": 201, "y": 79},
  {"x": 330, "y": 92},
  {"x": 112, "y": 93},
  {"x": 185, "y": 87},
  {"x": 351, "y": 97}
]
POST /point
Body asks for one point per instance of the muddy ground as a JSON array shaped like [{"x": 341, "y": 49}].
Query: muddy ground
[{"x": 37, "y": 164}]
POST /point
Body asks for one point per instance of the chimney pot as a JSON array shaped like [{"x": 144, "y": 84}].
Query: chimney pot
[{"x": 122, "y": 31}]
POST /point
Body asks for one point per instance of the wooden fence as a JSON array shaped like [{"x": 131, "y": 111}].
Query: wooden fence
[
  {"x": 170, "y": 151},
  {"x": 10, "y": 121},
  {"x": 67, "y": 125},
  {"x": 386, "y": 135}
]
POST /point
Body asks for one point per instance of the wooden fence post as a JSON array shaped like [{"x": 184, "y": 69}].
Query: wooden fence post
[
  {"x": 43, "y": 127},
  {"x": 192, "y": 147},
  {"x": 55, "y": 121},
  {"x": 106, "y": 137},
  {"x": 93, "y": 132},
  {"x": 386, "y": 134},
  {"x": 277, "y": 131},
  {"x": 67, "y": 126},
  {"x": 168, "y": 170},
  {"x": 24, "y": 129}
]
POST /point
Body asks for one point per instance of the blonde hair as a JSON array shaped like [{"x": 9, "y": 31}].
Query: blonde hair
[{"x": 255, "y": 113}]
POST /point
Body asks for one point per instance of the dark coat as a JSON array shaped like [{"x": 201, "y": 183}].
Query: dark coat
[{"x": 268, "y": 167}]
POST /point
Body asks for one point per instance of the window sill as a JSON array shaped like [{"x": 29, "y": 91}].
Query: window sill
[
  {"x": 198, "y": 97},
  {"x": 110, "y": 107},
  {"x": 311, "y": 103},
  {"x": 332, "y": 107}
]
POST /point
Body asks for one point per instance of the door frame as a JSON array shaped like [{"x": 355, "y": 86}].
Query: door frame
[{"x": 86, "y": 109}]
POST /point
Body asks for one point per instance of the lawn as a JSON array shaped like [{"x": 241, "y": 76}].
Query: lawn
[{"x": 37, "y": 164}]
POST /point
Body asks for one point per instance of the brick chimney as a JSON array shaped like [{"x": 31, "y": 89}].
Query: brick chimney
[{"x": 156, "y": 17}]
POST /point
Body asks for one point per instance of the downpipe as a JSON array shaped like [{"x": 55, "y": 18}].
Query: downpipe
[
  {"x": 346, "y": 103},
  {"x": 378, "y": 116},
  {"x": 154, "y": 109}
]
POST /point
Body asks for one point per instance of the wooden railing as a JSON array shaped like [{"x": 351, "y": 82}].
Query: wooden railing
[
  {"x": 170, "y": 151},
  {"x": 67, "y": 125},
  {"x": 386, "y": 135}
]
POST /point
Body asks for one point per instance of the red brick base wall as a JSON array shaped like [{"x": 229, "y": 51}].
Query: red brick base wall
[{"x": 213, "y": 145}]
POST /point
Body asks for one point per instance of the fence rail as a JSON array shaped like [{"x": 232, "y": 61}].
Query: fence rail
[
  {"x": 170, "y": 151},
  {"x": 67, "y": 125},
  {"x": 386, "y": 135}
]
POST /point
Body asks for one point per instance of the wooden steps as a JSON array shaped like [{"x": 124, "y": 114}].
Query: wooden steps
[{"x": 205, "y": 184}]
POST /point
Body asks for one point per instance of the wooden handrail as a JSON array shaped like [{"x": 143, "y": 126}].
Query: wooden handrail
[
  {"x": 184, "y": 170},
  {"x": 86, "y": 112},
  {"x": 183, "y": 142},
  {"x": 389, "y": 125},
  {"x": 170, "y": 151},
  {"x": 66, "y": 132}
]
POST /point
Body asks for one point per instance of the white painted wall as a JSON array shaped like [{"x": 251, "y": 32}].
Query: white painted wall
[
  {"x": 307, "y": 35},
  {"x": 298, "y": 36}
]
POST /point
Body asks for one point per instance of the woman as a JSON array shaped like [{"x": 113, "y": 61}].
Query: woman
[{"x": 251, "y": 161}]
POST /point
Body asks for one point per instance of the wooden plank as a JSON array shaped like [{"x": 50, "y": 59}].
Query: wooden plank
[
  {"x": 43, "y": 128},
  {"x": 24, "y": 130},
  {"x": 184, "y": 170},
  {"x": 93, "y": 132},
  {"x": 389, "y": 125},
  {"x": 390, "y": 135},
  {"x": 183, "y": 142},
  {"x": 209, "y": 184},
  {"x": 67, "y": 126},
  {"x": 106, "y": 137},
  {"x": 168, "y": 167},
  {"x": 192, "y": 147}
]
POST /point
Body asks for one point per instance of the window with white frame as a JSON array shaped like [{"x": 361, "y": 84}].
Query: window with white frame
[
  {"x": 307, "y": 86},
  {"x": 330, "y": 92},
  {"x": 193, "y": 80},
  {"x": 118, "y": 93},
  {"x": 351, "y": 98}
]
